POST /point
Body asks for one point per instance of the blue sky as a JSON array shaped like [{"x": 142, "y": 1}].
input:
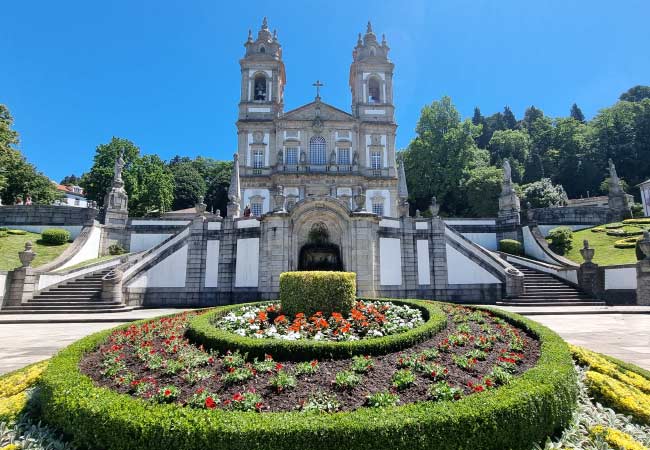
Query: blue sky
[{"x": 165, "y": 74}]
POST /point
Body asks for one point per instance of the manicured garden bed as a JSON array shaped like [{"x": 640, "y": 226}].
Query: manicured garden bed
[
  {"x": 538, "y": 400},
  {"x": 11, "y": 244}
]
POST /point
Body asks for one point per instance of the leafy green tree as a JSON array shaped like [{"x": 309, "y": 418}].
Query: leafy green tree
[
  {"x": 189, "y": 185},
  {"x": 542, "y": 193},
  {"x": 98, "y": 180},
  {"x": 19, "y": 178},
  {"x": 571, "y": 147},
  {"x": 483, "y": 187},
  {"x": 482, "y": 139},
  {"x": 70, "y": 180},
  {"x": 576, "y": 113},
  {"x": 530, "y": 115},
  {"x": 534, "y": 169},
  {"x": 513, "y": 145},
  {"x": 604, "y": 186},
  {"x": 635, "y": 94},
  {"x": 155, "y": 183},
  {"x": 438, "y": 160}
]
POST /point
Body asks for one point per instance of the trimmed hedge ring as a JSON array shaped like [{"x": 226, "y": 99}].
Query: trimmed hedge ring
[
  {"x": 531, "y": 407},
  {"x": 202, "y": 330}
]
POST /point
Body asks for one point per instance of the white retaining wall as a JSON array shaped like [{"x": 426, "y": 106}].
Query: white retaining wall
[
  {"x": 620, "y": 278},
  {"x": 390, "y": 262},
  {"x": 462, "y": 270},
  {"x": 170, "y": 272},
  {"x": 90, "y": 249}
]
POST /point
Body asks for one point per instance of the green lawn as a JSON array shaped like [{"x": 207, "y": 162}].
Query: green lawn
[
  {"x": 606, "y": 254},
  {"x": 10, "y": 245}
]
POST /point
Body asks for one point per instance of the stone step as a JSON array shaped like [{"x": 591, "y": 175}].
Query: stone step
[
  {"x": 71, "y": 304},
  {"x": 66, "y": 311},
  {"x": 551, "y": 303},
  {"x": 67, "y": 294}
]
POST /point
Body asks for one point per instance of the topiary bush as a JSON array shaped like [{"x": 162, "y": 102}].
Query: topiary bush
[
  {"x": 531, "y": 407},
  {"x": 116, "y": 249},
  {"x": 17, "y": 232},
  {"x": 561, "y": 240},
  {"x": 511, "y": 247},
  {"x": 55, "y": 236},
  {"x": 308, "y": 292},
  {"x": 203, "y": 331}
]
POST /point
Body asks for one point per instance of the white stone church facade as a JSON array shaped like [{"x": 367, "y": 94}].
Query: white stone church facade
[{"x": 317, "y": 149}]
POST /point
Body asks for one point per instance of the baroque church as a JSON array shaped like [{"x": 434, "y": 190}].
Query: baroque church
[{"x": 317, "y": 149}]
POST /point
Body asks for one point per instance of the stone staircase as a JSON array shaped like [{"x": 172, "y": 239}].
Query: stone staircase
[
  {"x": 78, "y": 296},
  {"x": 543, "y": 289}
]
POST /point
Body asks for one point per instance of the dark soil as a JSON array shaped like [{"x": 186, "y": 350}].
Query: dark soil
[{"x": 376, "y": 380}]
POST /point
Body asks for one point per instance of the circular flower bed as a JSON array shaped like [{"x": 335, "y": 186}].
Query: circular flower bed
[
  {"x": 212, "y": 330},
  {"x": 488, "y": 380},
  {"x": 367, "y": 319}
]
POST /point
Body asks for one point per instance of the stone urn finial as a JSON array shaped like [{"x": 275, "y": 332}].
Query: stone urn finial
[
  {"x": 587, "y": 252},
  {"x": 644, "y": 244},
  {"x": 200, "y": 206},
  {"x": 27, "y": 256}
]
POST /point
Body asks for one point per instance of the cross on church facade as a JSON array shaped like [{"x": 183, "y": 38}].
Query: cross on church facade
[{"x": 318, "y": 85}]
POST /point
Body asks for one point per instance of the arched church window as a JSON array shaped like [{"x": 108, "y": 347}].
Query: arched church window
[
  {"x": 374, "y": 95},
  {"x": 259, "y": 87},
  {"x": 317, "y": 150}
]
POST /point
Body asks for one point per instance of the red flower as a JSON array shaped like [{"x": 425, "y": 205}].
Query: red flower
[
  {"x": 168, "y": 392},
  {"x": 210, "y": 403},
  {"x": 278, "y": 367},
  {"x": 237, "y": 397}
]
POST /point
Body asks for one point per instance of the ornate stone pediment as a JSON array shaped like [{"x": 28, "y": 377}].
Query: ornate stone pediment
[{"x": 314, "y": 110}]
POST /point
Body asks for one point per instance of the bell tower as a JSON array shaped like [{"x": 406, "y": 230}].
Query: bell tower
[
  {"x": 262, "y": 76},
  {"x": 371, "y": 79}
]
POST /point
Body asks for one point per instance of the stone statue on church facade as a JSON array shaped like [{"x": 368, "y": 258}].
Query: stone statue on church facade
[{"x": 119, "y": 166}]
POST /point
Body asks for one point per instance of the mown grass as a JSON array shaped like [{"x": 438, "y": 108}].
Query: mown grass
[
  {"x": 606, "y": 254},
  {"x": 10, "y": 245}
]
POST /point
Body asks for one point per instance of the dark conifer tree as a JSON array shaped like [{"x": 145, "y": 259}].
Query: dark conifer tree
[{"x": 576, "y": 113}]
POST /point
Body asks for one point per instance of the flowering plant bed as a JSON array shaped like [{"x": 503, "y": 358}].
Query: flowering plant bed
[
  {"x": 208, "y": 330},
  {"x": 154, "y": 361},
  {"x": 161, "y": 391},
  {"x": 366, "y": 319}
]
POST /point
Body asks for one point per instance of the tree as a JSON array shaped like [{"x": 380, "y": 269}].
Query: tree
[
  {"x": 483, "y": 137},
  {"x": 513, "y": 145},
  {"x": 604, "y": 186},
  {"x": 509, "y": 120},
  {"x": 534, "y": 168},
  {"x": 189, "y": 185},
  {"x": 155, "y": 183},
  {"x": 576, "y": 113},
  {"x": 439, "y": 158},
  {"x": 483, "y": 187},
  {"x": 635, "y": 94},
  {"x": 98, "y": 180},
  {"x": 530, "y": 115},
  {"x": 70, "y": 180},
  {"x": 19, "y": 178},
  {"x": 542, "y": 194},
  {"x": 570, "y": 143}
]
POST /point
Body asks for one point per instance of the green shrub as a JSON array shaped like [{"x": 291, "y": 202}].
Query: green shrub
[
  {"x": 511, "y": 247},
  {"x": 629, "y": 242},
  {"x": 614, "y": 225},
  {"x": 639, "y": 221},
  {"x": 55, "y": 236},
  {"x": 203, "y": 331},
  {"x": 17, "y": 232},
  {"x": 561, "y": 240},
  {"x": 3, "y": 234},
  {"x": 116, "y": 249},
  {"x": 531, "y": 407},
  {"x": 3, "y": 229},
  {"x": 309, "y": 292}
]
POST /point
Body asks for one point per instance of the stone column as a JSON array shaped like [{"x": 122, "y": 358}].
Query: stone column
[
  {"x": 643, "y": 273},
  {"x": 23, "y": 280},
  {"x": 588, "y": 272}
]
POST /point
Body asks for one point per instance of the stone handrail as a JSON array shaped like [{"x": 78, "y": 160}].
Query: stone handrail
[
  {"x": 536, "y": 246},
  {"x": 131, "y": 267}
]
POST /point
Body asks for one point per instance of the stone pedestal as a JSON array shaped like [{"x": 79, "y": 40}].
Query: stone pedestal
[
  {"x": 643, "y": 282},
  {"x": 588, "y": 279},
  {"x": 22, "y": 284},
  {"x": 112, "y": 287}
]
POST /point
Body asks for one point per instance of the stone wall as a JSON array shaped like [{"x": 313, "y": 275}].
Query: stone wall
[
  {"x": 46, "y": 215},
  {"x": 570, "y": 215}
]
